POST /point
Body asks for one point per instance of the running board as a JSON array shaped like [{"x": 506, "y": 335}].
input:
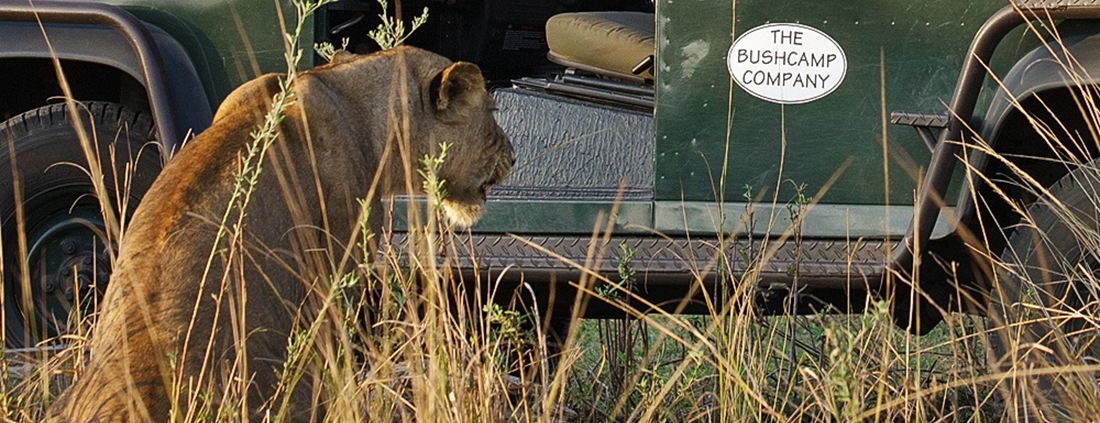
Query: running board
[{"x": 665, "y": 268}]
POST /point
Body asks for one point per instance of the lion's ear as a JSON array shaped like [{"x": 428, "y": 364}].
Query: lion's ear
[
  {"x": 456, "y": 89},
  {"x": 341, "y": 56}
]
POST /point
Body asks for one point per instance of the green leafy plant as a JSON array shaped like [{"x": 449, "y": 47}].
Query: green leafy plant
[
  {"x": 391, "y": 32},
  {"x": 326, "y": 50},
  {"x": 434, "y": 187}
]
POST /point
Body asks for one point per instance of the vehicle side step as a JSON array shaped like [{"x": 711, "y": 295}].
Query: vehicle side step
[
  {"x": 831, "y": 264},
  {"x": 923, "y": 123}
]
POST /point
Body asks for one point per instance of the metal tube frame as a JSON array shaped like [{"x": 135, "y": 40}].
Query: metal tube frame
[{"x": 961, "y": 111}]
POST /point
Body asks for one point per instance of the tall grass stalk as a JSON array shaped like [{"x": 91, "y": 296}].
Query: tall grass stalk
[{"x": 246, "y": 178}]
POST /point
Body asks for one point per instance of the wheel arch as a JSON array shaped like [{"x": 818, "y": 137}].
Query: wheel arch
[
  {"x": 1046, "y": 85},
  {"x": 106, "y": 39},
  {"x": 1054, "y": 69}
]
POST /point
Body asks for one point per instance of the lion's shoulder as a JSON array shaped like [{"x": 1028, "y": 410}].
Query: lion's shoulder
[{"x": 252, "y": 96}]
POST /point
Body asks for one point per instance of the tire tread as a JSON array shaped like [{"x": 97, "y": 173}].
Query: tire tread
[{"x": 140, "y": 123}]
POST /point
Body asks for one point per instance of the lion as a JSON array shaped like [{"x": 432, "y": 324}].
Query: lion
[{"x": 355, "y": 126}]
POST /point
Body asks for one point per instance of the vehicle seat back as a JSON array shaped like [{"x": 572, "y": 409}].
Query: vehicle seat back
[{"x": 616, "y": 44}]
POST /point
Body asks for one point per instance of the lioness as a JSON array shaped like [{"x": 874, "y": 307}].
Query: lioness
[{"x": 169, "y": 314}]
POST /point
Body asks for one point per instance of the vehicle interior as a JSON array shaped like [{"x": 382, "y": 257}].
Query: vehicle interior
[{"x": 601, "y": 50}]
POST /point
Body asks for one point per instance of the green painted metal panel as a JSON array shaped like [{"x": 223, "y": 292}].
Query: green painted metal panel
[
  {"x": 552, "y": 217},
  {"x": 686, "y": 217},
  {"x": 818, "y": 221},
  {"x": 230, "y": 42},
  {"x": 911, "y": 52}
]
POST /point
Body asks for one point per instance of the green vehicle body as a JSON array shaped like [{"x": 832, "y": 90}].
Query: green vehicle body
[{"x": 708, "y": 142}]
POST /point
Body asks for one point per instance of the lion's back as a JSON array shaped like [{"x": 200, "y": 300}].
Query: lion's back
[{"x": 164, "y": 251}]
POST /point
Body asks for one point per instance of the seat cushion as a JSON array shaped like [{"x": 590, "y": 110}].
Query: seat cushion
[{"x": 610, "y": 41}]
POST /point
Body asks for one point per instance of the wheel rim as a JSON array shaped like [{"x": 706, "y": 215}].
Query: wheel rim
[
  {"x": 69, "y": 267},
  {"x": 65, "y": 255}
]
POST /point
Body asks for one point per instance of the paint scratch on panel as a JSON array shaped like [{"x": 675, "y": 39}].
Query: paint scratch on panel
[{"x": 693, "y": 54}]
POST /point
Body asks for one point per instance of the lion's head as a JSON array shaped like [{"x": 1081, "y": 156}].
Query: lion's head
[
  {"x": 464, "y": 108},
  {"x": 448, "y": 103}
]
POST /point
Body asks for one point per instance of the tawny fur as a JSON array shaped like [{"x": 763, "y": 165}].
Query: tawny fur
[{"x": 301, "y": 213}]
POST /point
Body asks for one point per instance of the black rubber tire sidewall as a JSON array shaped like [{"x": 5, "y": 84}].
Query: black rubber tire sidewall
[
  {"x": 47, "y": 153},
  {"x": 1028, "y": 328},
  {"x": 1050, "y": 247}
]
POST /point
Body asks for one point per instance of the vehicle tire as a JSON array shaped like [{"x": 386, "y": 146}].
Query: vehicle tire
[
  {"x": 1043, "y": 307},
  {"x": 66, "y": 254}
]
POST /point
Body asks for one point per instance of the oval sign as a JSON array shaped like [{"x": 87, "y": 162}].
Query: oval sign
[{"x": 787, "y": 63}]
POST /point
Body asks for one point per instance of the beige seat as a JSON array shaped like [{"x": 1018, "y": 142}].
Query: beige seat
[{"x": 609, "y": 43}]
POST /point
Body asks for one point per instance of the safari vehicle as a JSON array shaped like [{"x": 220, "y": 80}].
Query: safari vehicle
[{"x": 637, "y": 129}]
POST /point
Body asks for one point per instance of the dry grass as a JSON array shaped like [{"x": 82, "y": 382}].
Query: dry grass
[{"x": 401, "y": 338}]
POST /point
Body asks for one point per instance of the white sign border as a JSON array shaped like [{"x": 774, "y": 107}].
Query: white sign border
[{"x": 730, "y": 55}]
